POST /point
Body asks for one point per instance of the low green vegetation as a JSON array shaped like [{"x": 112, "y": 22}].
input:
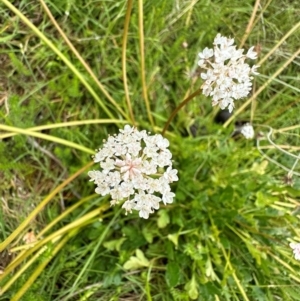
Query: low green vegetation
[{"x": 74, "y": 72}]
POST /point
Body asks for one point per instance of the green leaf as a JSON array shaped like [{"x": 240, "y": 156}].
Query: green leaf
[
  {"x": 136, "y": 262},
  {"x": 263, "y": 199},
  {"x": 148, "y": 234},
  {"x": 174, "y": 238},
  {"x": 164, "y": 218},
  {"x": 209, "y": 271},
  {"x": 7, "y": 38},
  {"x": 18, "y": 64},
  {"x": 114, "y": 244},
  {"x": 173, "y": 273},
  {"x": 191, "y": 288},
  {"x": 261, "y": 167}
]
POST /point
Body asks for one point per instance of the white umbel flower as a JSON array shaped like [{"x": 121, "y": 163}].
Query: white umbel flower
[
  {"x": 247, "y": 131},
  {"x": 136, "y": 169},
  {"x": 227, "y": 77},
  {"x": 296, "y": 250}
]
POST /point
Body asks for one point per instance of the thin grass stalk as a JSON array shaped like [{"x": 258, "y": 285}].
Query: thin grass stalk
[
  {"x": 245, "y": 104},
  {"x": 284, "y": 264},
  {"x": 262, "y": 12},
  {"x": 82, "y": 61},
  {"x": 182, "y": 104},
  {"x": 293, "y": 29},
  {"x": 250, "y": 23},
  {"x": 245, "y": 36},
  {"x": 40, "y": 207},
  {"x": 22, "y": 269},
  {"x": 54, "y": 222},
  {"x": 289, "y": 128},
  {"x": 272, "y": 160},
  {"x": 124, "y": 71},
  {"x": 100, "y": 241},
  {"x": 64, "y": 214},
  {"x": 22, "y": 256},
  {"x": 237, "y": 281},
  {"x": 77, "y": 224},
  {"x": 282, "y": 146},
  {"x": 142, "y": 54},
  {"x": 60, "y": 55},
  {"x": 147, "y": 286},
  {"x": 280, "y": 42},
  {"x": 41, "y": 267},
  {"x": 47, "y": 137},
  {"x": 66, "y": 124},
  {"x": 83, "y": 290},
  {"x": 187, "y": 23},
  {"x": 238, "y": 233},
  {"x": 269, "y": 134}
]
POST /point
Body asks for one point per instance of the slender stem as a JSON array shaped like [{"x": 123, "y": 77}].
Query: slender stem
[
  {"x": 41, "y": 267},
  {"x": 64, "y": 214},
  {"x": 142, "y": 53},
  {"x": 77, "y": 224},
  {"x": 282, "y": 40},
  {"x": 20, "y": 271},
  {"x": 262, "y": 12},
  {"x": 65, "y": 124},
  {"x": 47, "y": 137},
  {"x": 237, "y": 281},
  {"x": 124, "y": 47},
  {"x": 289, "y": 128},
  {"x": 59, "y": 54},
  {"x": 250, "y": 24},
  {"x": 40, "y": 207},
  {"x": 245, "y": 37},
  {"x": 100, "y": 240},
  {"x": 182, "y": 104},
  {"x": 290, "y": 173},
  {"x": 82, "y": 61},
  {"x": 147, "y": 286}
]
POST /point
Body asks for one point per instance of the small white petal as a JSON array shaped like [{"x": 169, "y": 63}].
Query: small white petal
[
  {"x": 227, "y": 77},
  {"x": 131, "y": 163},
  {"x": 247, "y": 131}
]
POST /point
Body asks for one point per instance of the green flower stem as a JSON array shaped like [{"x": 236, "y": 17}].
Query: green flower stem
[
  {"x": 182, "y": 104},
  {"x": 46, "y": 137},
  {"x": 41, "y": 206},
  {"x": 66, "y": 124},
  {"x": 59, "y": 54}
]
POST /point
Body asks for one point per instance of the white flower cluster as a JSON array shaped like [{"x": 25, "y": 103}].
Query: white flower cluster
[
  {"x": 247, "y": 131},
  {"x": 296, "y": 250},
  {"x": 137, "y": 168},
  {"x": 228, "y": 76}
]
